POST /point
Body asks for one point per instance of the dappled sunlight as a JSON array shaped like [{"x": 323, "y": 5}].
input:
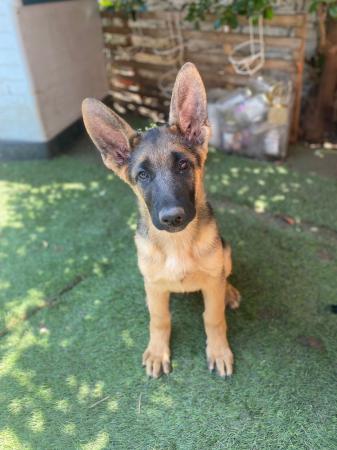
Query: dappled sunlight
[
  {"x": 64, "y": 343},
  {"x": 30, "y": 414},
  {"x": 162, "y": 398},
  {"x": 87, "y": 393},
  {"x": 132, "y": 221},
  {"x": 16, "y": 406},
  {"x": 69, "y": 429},
  {"x": 4, "y": 285},
  {"x": 15, "y": 309},
  {"x": 33, "y": 408},
  {"x": 8, "y": 216},
  {"x": 98, "y": 266},
  {"x": 9, "y": 360},
  {"x": 235, "y": 172},
  {"x": 45, "y": 244},
  {"x": 243, "y": 190},
  {"x": 127, "y": 339},
  {"x": 261, "y": 204},
  {"x": 225, "y": 180},
  {"x": 7, "y": 434},
  {"x": 98, "y": 443},
  {"x": 267, "y": 187},
  {"x": 46, "y": 239},
  {"x": 277, "y": 198},
  {"x": 282, "y": 170},
  {"x": 36, "y": 422},
  {"x": 112, "y": 405},
  {"x": 71, "y": 187}
]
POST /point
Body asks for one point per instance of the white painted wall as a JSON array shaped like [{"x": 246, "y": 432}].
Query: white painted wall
[
  {"x": 50, "y": 59},
  {"x": 64, "y": 46},
  {"x": 19, "y": 113}
]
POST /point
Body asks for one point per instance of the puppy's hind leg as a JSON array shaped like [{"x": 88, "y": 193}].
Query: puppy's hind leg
[{"x": 233, "y": 297}]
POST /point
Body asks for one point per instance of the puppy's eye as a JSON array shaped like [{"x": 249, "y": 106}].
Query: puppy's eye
[
  {"x": 143, "y": 175},
  {"x": 183, "y": 165}
]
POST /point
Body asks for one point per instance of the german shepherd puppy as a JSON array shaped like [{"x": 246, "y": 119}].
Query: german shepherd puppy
[{"x": 178, "y": 242}]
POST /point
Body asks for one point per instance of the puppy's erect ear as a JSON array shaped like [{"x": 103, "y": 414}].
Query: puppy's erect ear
[
  {"x": 188, "y": 108},
  {"x": 110, "y": 133}
]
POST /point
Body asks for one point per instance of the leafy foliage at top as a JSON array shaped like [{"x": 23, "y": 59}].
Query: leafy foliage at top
[
  {"x": 124, "y": 6},
  {"x": 330, "y": 5},
  {"x": 227, "y": 14}
]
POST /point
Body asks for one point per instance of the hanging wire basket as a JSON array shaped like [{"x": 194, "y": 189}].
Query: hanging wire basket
[{"x": 248, "y": 57}]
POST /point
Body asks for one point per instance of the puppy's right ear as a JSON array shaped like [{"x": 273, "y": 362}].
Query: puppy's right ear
[{"x": 110, "y": 133}]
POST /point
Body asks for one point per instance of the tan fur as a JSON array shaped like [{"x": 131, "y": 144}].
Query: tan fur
[{"x": 190, "y": 260}]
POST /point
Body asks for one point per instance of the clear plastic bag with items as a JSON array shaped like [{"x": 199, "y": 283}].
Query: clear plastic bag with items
[{"x": 252, "y": 121}]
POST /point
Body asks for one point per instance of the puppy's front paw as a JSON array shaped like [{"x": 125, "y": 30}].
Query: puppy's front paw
[
  {"x": 220, "y": 358},
  {"x": 156, "y": 359}
]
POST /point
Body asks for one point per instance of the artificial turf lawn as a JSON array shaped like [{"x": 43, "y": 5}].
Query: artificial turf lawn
[{"x": 67, "y": 228}]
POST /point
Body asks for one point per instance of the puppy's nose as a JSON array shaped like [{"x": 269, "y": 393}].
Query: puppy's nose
[{"x": 172, "y": 216}]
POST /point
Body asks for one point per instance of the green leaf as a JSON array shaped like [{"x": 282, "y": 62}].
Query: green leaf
[
  {"x": 333, "y": 11},
  {"x": 227, "y": 14},
  {"x": 268, "y": 13},
  {"x": 313, "y": 6},
  {"x": 233, "y": 21}
]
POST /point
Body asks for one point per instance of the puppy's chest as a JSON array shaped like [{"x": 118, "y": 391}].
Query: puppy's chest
[
  {"x": 172, "y": 265},
  {"x": 177, "y": 267}
]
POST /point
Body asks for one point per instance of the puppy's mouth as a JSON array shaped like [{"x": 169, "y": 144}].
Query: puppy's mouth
[{"x": 174, "y": 229}]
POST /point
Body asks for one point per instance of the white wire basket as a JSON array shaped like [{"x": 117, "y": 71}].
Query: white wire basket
[{"x": 248, "y": 57}]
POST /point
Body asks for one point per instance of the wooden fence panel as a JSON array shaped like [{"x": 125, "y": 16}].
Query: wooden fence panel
[{"x": 136, "y": 57}]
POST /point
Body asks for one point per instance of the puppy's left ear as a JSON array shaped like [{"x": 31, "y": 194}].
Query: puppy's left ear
[
  {"x": 110, "y": 133},
  {"x": 188, "y": 108}
]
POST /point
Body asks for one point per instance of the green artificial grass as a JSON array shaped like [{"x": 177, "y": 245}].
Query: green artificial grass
[{"x": 73, "y": 320}]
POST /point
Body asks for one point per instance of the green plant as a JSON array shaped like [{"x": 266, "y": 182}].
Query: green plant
[
  {"x": 124, "y": 6},
  {"x": 227, "y": 14},
  {"x": 330, "y": 6}
]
